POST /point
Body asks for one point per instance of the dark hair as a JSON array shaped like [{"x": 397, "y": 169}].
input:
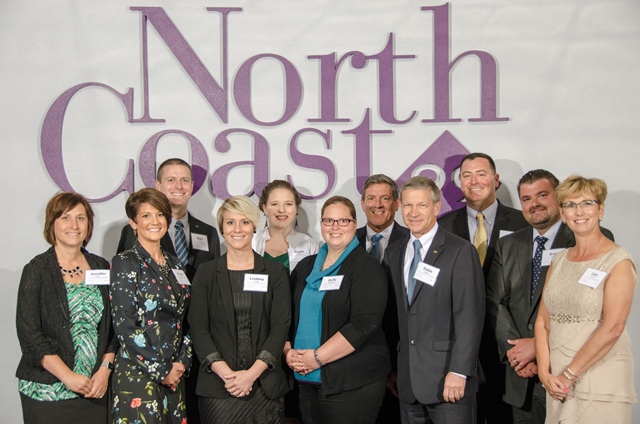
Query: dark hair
[
  {"x": 341, "y": 200},
  {"x": 154, "y": 197},
  {"x": 422, "y": 183},
  {"x": 536, "y": 175},
  {"x": 266, "y": 191},
  {"x": 172, "y": 161},
  {"x": 380, "y": 179},
  {"x": 478, "y": 155},
  {"x": 60, "y": 204}
]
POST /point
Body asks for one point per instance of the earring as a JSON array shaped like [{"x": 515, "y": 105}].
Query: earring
[
  {"x": 295, "y": 224},
  {"x": 135, "y": 233}
]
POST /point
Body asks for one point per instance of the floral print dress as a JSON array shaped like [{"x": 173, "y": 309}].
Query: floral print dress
[{"x": 148, "y": 308}]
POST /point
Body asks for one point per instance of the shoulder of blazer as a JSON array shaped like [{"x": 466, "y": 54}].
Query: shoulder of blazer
[
  {"x": 361, "y": 235},
  {"x": 202, "y": 227},
  {"x": 514, "y": 216}
]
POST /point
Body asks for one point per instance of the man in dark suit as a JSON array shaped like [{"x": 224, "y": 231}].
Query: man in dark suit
[
  {"x": 483, "y": 221},
  {"x": 514, "y": 288},
  {"x": 200, "y": 243},
  {"x": 441, "y": 304},
  {"x": 380, "y": 203}
]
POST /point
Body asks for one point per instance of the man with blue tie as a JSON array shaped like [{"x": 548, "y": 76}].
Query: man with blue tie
[{"x": 440, "y": 299}]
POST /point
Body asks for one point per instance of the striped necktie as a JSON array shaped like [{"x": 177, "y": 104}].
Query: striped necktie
[{"x": 181, "y": 244}]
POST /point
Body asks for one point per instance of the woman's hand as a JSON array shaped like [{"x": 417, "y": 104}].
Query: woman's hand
[
  {"x": 307, "y": 360},
  {"x": 175, "y": 375},
  {"x": 294, "y": 360},
  {"x": 100, "y": 383},
  {"x": 554, "y": 386},
  {"x": 77, "y": 383},
  {"x": 239, "y": 383}
]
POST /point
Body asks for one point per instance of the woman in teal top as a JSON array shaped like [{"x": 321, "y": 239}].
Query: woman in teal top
[{"x": 64, "y": 323}]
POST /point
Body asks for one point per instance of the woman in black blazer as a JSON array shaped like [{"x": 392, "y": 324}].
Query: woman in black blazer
[
  {"x": 239, "y": 318},
  {"x": 64, "y": 323},
  {"x": 339, "y": 355}
]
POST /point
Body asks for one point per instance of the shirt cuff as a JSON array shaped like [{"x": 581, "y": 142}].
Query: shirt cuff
[{"x": 459, "y": 375}]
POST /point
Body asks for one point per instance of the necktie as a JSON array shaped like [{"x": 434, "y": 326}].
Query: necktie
[
  {"x": 181, "y": 243},
  {"x": 375, "y": 246},
  {"x": 537, "y": 263},
  {"x": 480, "y": 239},
  {"x": 417, "y": 258}
]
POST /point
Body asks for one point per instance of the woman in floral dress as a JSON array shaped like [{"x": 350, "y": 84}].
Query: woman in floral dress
[{"x": 149, "y": 299}]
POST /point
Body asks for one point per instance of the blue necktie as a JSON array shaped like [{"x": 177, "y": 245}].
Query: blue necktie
[
  {"x": 181, "y": 244},
  {"x": 375, "y": 246},
  {"x": 417, "y": 258},
  {"x": 537, "y": 263}
]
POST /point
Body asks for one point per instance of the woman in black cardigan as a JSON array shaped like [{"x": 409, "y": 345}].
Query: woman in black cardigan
[
  {"x": 239, "y": 317},
  {"x": 64, "y": 323},
  {"x": 339, "y": 355}
]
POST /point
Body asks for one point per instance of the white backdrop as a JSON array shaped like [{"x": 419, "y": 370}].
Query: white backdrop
[{"x": 566, "y": 99}]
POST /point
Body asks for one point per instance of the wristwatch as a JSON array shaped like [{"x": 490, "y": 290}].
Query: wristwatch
[{"x": 108, "y": 365}]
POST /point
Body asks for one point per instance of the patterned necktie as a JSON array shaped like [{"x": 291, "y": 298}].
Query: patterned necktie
[
  {"x": 537, "y": 263},
  {"x": 480, "y": 239},
  {"x": 375, "y": 246},
  {"x": 417, "y": 258},
  {"x": 181, "y": 243}
]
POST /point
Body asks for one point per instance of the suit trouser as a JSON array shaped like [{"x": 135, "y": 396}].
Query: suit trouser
[{"x": 460, "y": 412}]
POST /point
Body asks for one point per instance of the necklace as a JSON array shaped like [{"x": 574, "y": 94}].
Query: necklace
[{"x": 71, "y": 272}]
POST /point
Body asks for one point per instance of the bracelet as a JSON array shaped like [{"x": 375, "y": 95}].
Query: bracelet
[
  {"x": 315, "y": 355},
  {"x": 568, "y": 376},
  {"x": 575, "y": 377}
]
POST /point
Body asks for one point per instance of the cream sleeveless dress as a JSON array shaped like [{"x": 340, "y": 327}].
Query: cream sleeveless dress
[{"x": 605, "y": 392}]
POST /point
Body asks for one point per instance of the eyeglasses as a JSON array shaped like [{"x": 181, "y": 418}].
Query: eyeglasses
[
  {"x": 342, "y": 222},
  {"x": 584, "y": 205}
]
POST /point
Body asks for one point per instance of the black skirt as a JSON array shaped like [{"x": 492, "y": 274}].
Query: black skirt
[{"x": 77, "y": 411}]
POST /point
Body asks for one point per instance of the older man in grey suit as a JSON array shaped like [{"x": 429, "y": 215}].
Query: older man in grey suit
[
  {"x": 514, "y": 287},
  {"x": 440, "y": 298}
]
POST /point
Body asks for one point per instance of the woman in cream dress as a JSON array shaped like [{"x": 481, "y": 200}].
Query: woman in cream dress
[{"x": 582, "y": 346}]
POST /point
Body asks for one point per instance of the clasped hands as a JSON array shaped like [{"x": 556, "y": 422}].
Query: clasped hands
[
  {"x": 522, "y": 357},
  {"x": 174, "y": 376},
  {"x": 302, "y": 361}
]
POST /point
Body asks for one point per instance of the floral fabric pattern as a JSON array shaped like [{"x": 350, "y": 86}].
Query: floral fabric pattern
[{"x": 148, "y": 309}]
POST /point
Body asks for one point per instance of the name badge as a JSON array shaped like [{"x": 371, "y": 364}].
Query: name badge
[
  {"x": 200, "y": 242},
  {"x": 427, "y": 274},
  {"x": 547, "y": 256},
  {"x": 504, "y": 233},
  {"x": 298, "y": 254},
  {"x": 181, "y": 277},
  {"x": 331, "y": 283},
  {"x": 592, "y": 278},
  {"x": 256, "y": 283},
  {"x": 97, "y": 277}
]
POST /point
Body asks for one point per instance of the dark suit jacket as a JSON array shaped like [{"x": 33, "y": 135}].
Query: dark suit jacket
[
  {"x": 213, "y": 324},
  {"x": 397, "y": 233},
  {"x": 42, "y": 317},
  {"x": 440, "y": 330},
  {"x": 196, "y": 257},
  {"x": 507, "y": 219},
  {"x": 510, "y": 312}
]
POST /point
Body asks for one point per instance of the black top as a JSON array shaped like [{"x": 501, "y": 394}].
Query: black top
[
  {"x": 42, "y": 317},
  {"x": 355, "y": 310}
]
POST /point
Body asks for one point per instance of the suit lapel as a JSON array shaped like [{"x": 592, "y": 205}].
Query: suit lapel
[
  {"x": 167, "y": 244},
  {"x": 257, "y": 299},
  {"x": 502, "y": 222},
  {"x": 461, "y": 225},
  {"x": 430, "y": 257},
  {"x": 224, "y": 287}
]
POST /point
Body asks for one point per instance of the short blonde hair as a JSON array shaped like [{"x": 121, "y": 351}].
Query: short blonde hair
[
  {"x": 579, "y": 185},
  {"x": 241, "y": 205}
]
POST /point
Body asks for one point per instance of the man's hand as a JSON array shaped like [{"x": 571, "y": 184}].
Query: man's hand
[
  {"x": 522, "y": 352},
  {"x": 453, "y": 387}
]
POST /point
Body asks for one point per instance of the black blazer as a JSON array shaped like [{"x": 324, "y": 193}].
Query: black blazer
[
  {"x": 213, "y": 327},
  {"x": 355, "y": 310},
  {"x": 42, "y": 317},
  {"x": 196, "y": 256},
  {"x": 507, "y": 219},
  {"x": 440, "y": 330},
  {"x": 510, "y": 312}
]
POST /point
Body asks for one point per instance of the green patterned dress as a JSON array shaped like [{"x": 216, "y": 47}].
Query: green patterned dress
[{"x": 85, "y": 309}]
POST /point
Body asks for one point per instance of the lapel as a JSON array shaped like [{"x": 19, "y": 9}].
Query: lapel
[
  {"x": 430, "y": 257},
  {"x": 167, "y": 244},
  {"x": 396, "y": 233},
  {"x": 460, "y": 224},
  {"x": 501, "y": 223},
  {"x": 361, "y": 234},
  {"x": 257, "y": 300},
  {"x": 194, "y": 227},
  {"x": 224, "y": 288},
  {"x": 59, "y": 287}
]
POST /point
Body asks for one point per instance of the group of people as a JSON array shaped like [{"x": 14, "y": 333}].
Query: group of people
[{"x": 485, "y": 314}]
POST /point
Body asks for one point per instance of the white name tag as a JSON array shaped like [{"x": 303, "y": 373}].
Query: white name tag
[
  {"x": 97, "y": 277},
  {"x": 592, "y": 277},
  {"x": 504, "y": 233},
  {"x": 256, "y": 283},
  {"x": 181, "y": 277},
  {"x": 331, "y": 283},
  {"x": 547, "y": 256},
  {"x": 298, "y": 254},
  {"x": 427, "y": 274},
  {"x": 200, "y": 241}
]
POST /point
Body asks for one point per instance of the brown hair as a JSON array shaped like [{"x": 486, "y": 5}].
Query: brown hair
[
  {"x": 154, "y": 197},
  {"x": 577, "y": 185},
  {"x": 536, "y": 175},
  {"x": 172, "y": 161},
  {"x": 264, "y": 196},
  {"x": 380, "y": 179},
  {"x": 478, "y": 155},
  {"x": 341, "y": 200},
  {"x": 60, "y": 204}
]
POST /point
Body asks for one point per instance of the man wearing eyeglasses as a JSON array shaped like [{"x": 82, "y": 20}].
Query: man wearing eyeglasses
[
  {"x": 514, "y": 287},
  {"x": 440, "y": 299}
]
